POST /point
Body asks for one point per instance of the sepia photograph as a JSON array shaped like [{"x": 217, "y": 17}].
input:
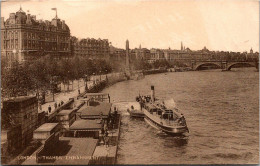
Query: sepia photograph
[{"x": 129, "y": 82}]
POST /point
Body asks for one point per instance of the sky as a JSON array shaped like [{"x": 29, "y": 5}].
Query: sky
[{"x": 224, "y": 25}]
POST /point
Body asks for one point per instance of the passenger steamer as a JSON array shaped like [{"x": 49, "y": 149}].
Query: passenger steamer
[{"x": 170, "y": 121}]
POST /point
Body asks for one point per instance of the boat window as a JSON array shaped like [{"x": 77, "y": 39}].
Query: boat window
[
  {"x": 159, "y": 112},
  {"x": 165, "y": 116},
  {"x": 168, "y": 114}
]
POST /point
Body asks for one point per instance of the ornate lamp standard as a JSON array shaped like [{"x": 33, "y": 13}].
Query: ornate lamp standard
[
  {"x": 100, "y": 75},
  {"x": 94, "y": 78},
  {"x": 52, "y": 87},
  {"x": 106, "y": 76}
]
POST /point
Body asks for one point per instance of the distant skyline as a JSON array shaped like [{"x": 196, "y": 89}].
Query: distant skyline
[{"x": 224, "y": 25}]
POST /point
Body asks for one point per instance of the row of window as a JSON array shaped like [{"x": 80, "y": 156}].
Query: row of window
[
  {"x": 91, "y": 49},
  {"x": 10, "y": 46},
  {"x": 14, "y": 34},
  {"x": 31, "y": 41},
  {"x": 87, "y": 54},
  {"x": 91, "y": 45},
  {"x": 33, "y": 45}
]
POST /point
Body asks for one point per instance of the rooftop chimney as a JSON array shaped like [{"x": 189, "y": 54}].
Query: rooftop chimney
[
  {"x": 34, "y": 17},
  {"x": 63, "y": 24},
  {"x": 28, "y": 21},
  {"x": 12, "y": 15}
]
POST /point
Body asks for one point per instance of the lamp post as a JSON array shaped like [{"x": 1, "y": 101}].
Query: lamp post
[
  {"x": 68, "y": 81},
  {"x": 52, "y": 87},
  {"x": 106, "y": 76},
  {"x": 94, "y": 78},
  {"x": 86, "y": 82},
  {"x": 100, "y": 75}
]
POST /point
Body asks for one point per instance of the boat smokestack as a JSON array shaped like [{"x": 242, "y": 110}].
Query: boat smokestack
[{"x": 152, "y": 93}]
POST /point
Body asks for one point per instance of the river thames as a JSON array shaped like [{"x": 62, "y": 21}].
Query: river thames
[{"x": 221, "y": 110}]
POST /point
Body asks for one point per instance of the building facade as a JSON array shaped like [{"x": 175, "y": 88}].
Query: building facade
[
  {"x": 155, "y": 55},
  {"x": 90, "y": 48},
  {"x": 140, "y": 53},
  {"x": 117, "y": 54},
  {"x": 25, "y": 38},
  {"x": 22, "y": 111}
]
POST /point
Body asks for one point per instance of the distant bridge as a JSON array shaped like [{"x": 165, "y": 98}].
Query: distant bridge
[{"x": 224, "y": 65}]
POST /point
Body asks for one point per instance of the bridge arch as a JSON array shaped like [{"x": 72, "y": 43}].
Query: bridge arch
[
  {"x": 207, "y": 63},
  {"x": 252, "y": 64}
]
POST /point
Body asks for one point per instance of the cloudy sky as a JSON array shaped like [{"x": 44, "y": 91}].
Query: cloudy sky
[{"x": 229, "y": 25}]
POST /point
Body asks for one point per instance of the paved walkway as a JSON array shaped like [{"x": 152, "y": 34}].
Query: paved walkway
[{"x": 64, "y": 96}]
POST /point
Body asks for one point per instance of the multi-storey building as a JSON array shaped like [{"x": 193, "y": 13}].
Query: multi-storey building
[
  {"x": 117, "y": 54},
  {"x": 90, "y": 48},
  {"x": 141, "y": 53},
  {"x": 25, "y": 38},
  {"x": 156, "y": 54}
]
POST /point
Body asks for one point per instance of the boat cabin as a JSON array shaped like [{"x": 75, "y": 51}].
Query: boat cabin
[{"x": 168, "y": 114}]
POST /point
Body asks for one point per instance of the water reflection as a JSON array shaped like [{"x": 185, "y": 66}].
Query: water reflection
[{"x": 173, "y": 141}]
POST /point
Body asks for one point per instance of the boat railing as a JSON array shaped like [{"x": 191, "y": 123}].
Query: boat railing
[{"x": 169, "y": 122}]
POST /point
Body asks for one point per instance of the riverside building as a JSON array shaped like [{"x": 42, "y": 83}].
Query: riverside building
[
  {"x": 90, "y": 48},
  {"x": 25, "y": 38}
]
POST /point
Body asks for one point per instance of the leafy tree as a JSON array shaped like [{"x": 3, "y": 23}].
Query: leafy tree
[
  {"x": 16, "y": 81},
  {"x": 40, "y": 75},
  {"x": 161, "y": 63},
  {"x": 141, "y": 65}
]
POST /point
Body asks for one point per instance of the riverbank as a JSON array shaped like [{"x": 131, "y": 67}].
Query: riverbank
[
  {"x": 101, "y": 82},
  {"x": 154, "y": 71}
]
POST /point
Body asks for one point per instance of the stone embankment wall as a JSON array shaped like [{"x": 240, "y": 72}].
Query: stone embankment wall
[
  {"x": 106, "y": 80},
  {"x": 155, "y": 71},
  {"x": 115, "y": 77}
]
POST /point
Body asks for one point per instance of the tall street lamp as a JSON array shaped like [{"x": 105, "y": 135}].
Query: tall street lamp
[
  {"x": 94, "y": 78},
  {"x": 52, "y": 87},
  {"x": 100, "y": 75}
]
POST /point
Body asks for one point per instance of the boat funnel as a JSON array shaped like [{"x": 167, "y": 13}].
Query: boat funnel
[{"x": 152, "y": 93}]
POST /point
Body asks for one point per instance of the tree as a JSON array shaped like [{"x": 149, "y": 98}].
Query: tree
[
  {"x": 140, "y": 64},
  {"x": 38, "y": 74},
  {"x": 161, "y": 63},
  {"x": 16, "y": 81}
]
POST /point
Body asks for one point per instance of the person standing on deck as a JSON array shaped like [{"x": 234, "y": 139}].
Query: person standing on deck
[{"x": 49, "y": 108}]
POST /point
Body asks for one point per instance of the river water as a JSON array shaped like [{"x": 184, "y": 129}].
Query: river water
[{"x": 221, "y": 110}]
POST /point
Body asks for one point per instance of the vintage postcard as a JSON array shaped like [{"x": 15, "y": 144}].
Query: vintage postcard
[{"x": 90, "y": 82}]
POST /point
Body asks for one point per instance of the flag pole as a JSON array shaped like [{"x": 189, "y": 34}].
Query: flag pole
[{"x": 56, "y": 14}]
